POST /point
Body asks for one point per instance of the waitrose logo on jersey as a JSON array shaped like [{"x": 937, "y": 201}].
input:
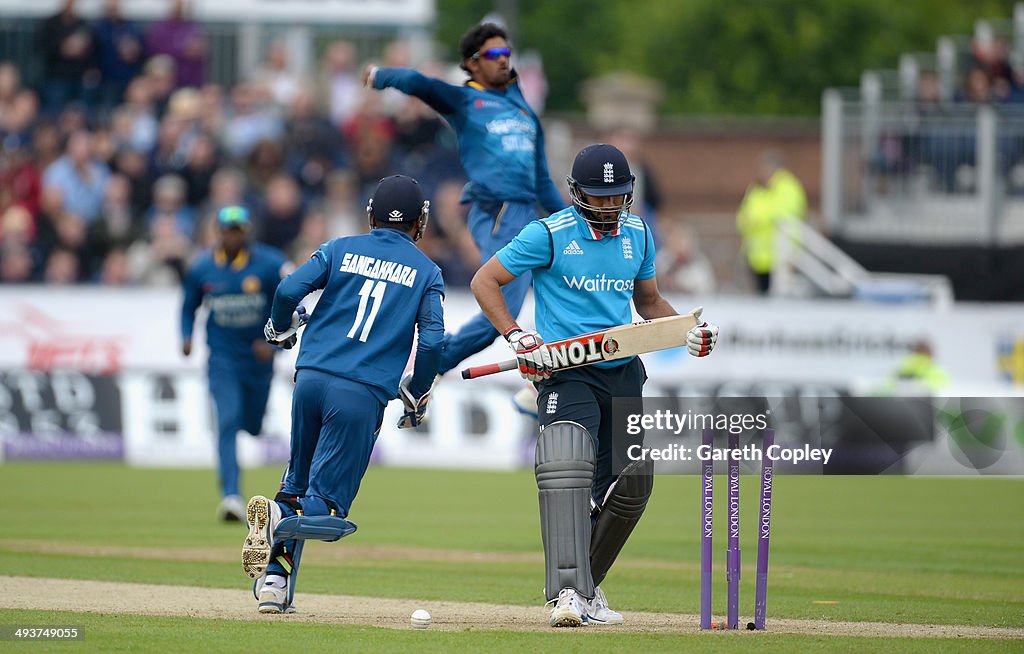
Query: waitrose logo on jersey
[{"x": 598, "y": 284}]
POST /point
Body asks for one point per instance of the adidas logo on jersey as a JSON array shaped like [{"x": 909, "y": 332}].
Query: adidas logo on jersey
[{"x": 573, "y": 248}]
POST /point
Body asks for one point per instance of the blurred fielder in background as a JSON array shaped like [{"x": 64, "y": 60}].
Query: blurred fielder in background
[
  {"x": 237, "y": 281},
  {"x": 501, "y": 146},
  {"x": 588, "y": 262},
  {"x": 379, "y": 289}
]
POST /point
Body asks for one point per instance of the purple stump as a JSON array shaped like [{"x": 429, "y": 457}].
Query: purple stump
[
  {"x": 707, "y": 481},
  {"x": 764, "y": 531},
  {"x": 732, "y": 556}
]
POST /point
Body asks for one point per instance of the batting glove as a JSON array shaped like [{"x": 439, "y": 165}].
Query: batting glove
[
  {"x": 700, "y": 340},
  {"x": 415, "y": 408},
  {"x": 532, "y": 354},
  {"x": 287, "y": 338}
]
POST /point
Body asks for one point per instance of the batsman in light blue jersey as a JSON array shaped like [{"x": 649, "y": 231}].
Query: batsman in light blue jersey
[
  {"x": 501, "y": 146},
  {"x": 379, "y": 291},
  {"x": 236, "y": 281},
  {"x": 590, "y": 262}
]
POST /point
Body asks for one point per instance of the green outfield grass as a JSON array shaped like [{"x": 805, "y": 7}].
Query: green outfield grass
[
  {"x": 886, "y": 549},
  {"x": 156, "y": 634}
]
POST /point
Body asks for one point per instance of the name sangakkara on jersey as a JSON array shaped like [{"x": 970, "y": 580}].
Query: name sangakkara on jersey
[{"x": 389, "y": 271}]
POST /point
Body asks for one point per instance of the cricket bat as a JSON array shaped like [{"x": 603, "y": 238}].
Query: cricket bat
[{"x": 608, "y": 345}]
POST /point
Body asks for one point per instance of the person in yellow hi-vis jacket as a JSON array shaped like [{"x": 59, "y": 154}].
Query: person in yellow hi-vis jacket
[
  {"x": 775, "y": 196},
  {"x": 919, "y": 370}
]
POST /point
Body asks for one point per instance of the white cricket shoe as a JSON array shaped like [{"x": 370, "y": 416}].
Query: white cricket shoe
[
  {"x": 525, "y": 401},
  {"x": 262, "y": 516},
  {"x": 570, "y": 610},
  {"x": 231, "y": 509},
  {"x": 598, "y": 611},
  {"x": 273, "y": 595}
]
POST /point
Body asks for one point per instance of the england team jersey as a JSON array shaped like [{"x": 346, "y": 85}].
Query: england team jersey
[{"x": 583, "y": 280}]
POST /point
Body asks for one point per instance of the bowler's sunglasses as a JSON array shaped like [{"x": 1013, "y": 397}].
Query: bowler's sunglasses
[{"x": 494, "y": 53}]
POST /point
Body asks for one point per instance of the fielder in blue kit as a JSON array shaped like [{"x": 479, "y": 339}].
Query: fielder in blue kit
[
  {"x": 379, "y": 290},
  {"x": 589, "y": 261},
  {"x": 501, "y": 146},
  {"x": 236, "y": 281}
]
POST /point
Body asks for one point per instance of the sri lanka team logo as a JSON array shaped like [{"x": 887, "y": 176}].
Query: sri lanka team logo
[{"x": 251, "y": 284}]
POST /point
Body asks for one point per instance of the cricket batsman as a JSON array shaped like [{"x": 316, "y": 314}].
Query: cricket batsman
[
  {"x": 589, "y": 261},
  {"x": 379, "y": 289}
]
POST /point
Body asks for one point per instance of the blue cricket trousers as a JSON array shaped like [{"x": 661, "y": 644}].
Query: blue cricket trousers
[{"x": 492, "y": 225}]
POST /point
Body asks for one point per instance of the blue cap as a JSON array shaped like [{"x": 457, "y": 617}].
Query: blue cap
[
  {"x": 397, "y": 199},
  {"x": 602, "y": 170},
  {"x": 233, "y": 216}
]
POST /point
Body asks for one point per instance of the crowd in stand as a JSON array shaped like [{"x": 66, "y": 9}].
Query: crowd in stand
[
  {"x": 114, "y": 165},
  {"x": 112, "y": 168},
  {"x": 940, "y": 130}
]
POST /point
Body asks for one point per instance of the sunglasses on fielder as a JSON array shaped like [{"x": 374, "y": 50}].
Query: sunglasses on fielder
[{"x": 493, "y": 53}]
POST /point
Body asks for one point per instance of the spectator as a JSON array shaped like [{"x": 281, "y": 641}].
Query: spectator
[
  {"x": 977, "y": 87},
  {"x": 182, "y": 39},
  {"x": 276, "y": 77},
  {"x": 211, "y": 109},
  {"x": 120, "y": 54},
  {"x": 202, "y": 163},
  {"x": 266, "y": 161},
  {"x": 17, "y": 225},
  {"x": 169, "y": 206},
  {"x": 21, "y": 116},
  {"x": 71, "y": 233},
  {"x": 120, "y": 225},
  {"x": 133, "y": 165},
  {"x": 251, "y": 121},
  {"x": 62, "y": 267},
  {"x": 172, "y": 147},
  {"x": 340, "y": 82},
  {"x": 227, "y": 188},
  {"x": 160, "y": 260},
  {"x": 448, "y": 241},
  {"x": 313, "y": 147},
  {"x": 990, "y": 54},
  {"x": 79, "y": 177},
  {"x": 312, "y": 234},
  {"x": 344, "y": 216},
  {"x": 116, "y": 269},
  {"x": 20, "y": 180},
  {"x": 160, "y": 74},
  {"x": 682, "y": 265},
  {"x": 372, "y": 159},
  {"x": 16, "y": 264},
  {"x": 281, "y": 219},
  {"x": 134, "y": 123},
  {"x": 10, "y": 84},
  {"x": 775, "y": 196},
  {"x": 46, "y": 144},
  {"x": 65, "y": 41}
]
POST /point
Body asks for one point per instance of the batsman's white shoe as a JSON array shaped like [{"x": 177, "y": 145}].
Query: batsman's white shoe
[
  {"x": 231, "y": 509},
  {"x": 598, "y": 611},
  {"x": 262, "y": 516},
  {"x": 273, "y": 595},
  {"x": 525, "y": 401},
  {"x": 570, "y": 610}
]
